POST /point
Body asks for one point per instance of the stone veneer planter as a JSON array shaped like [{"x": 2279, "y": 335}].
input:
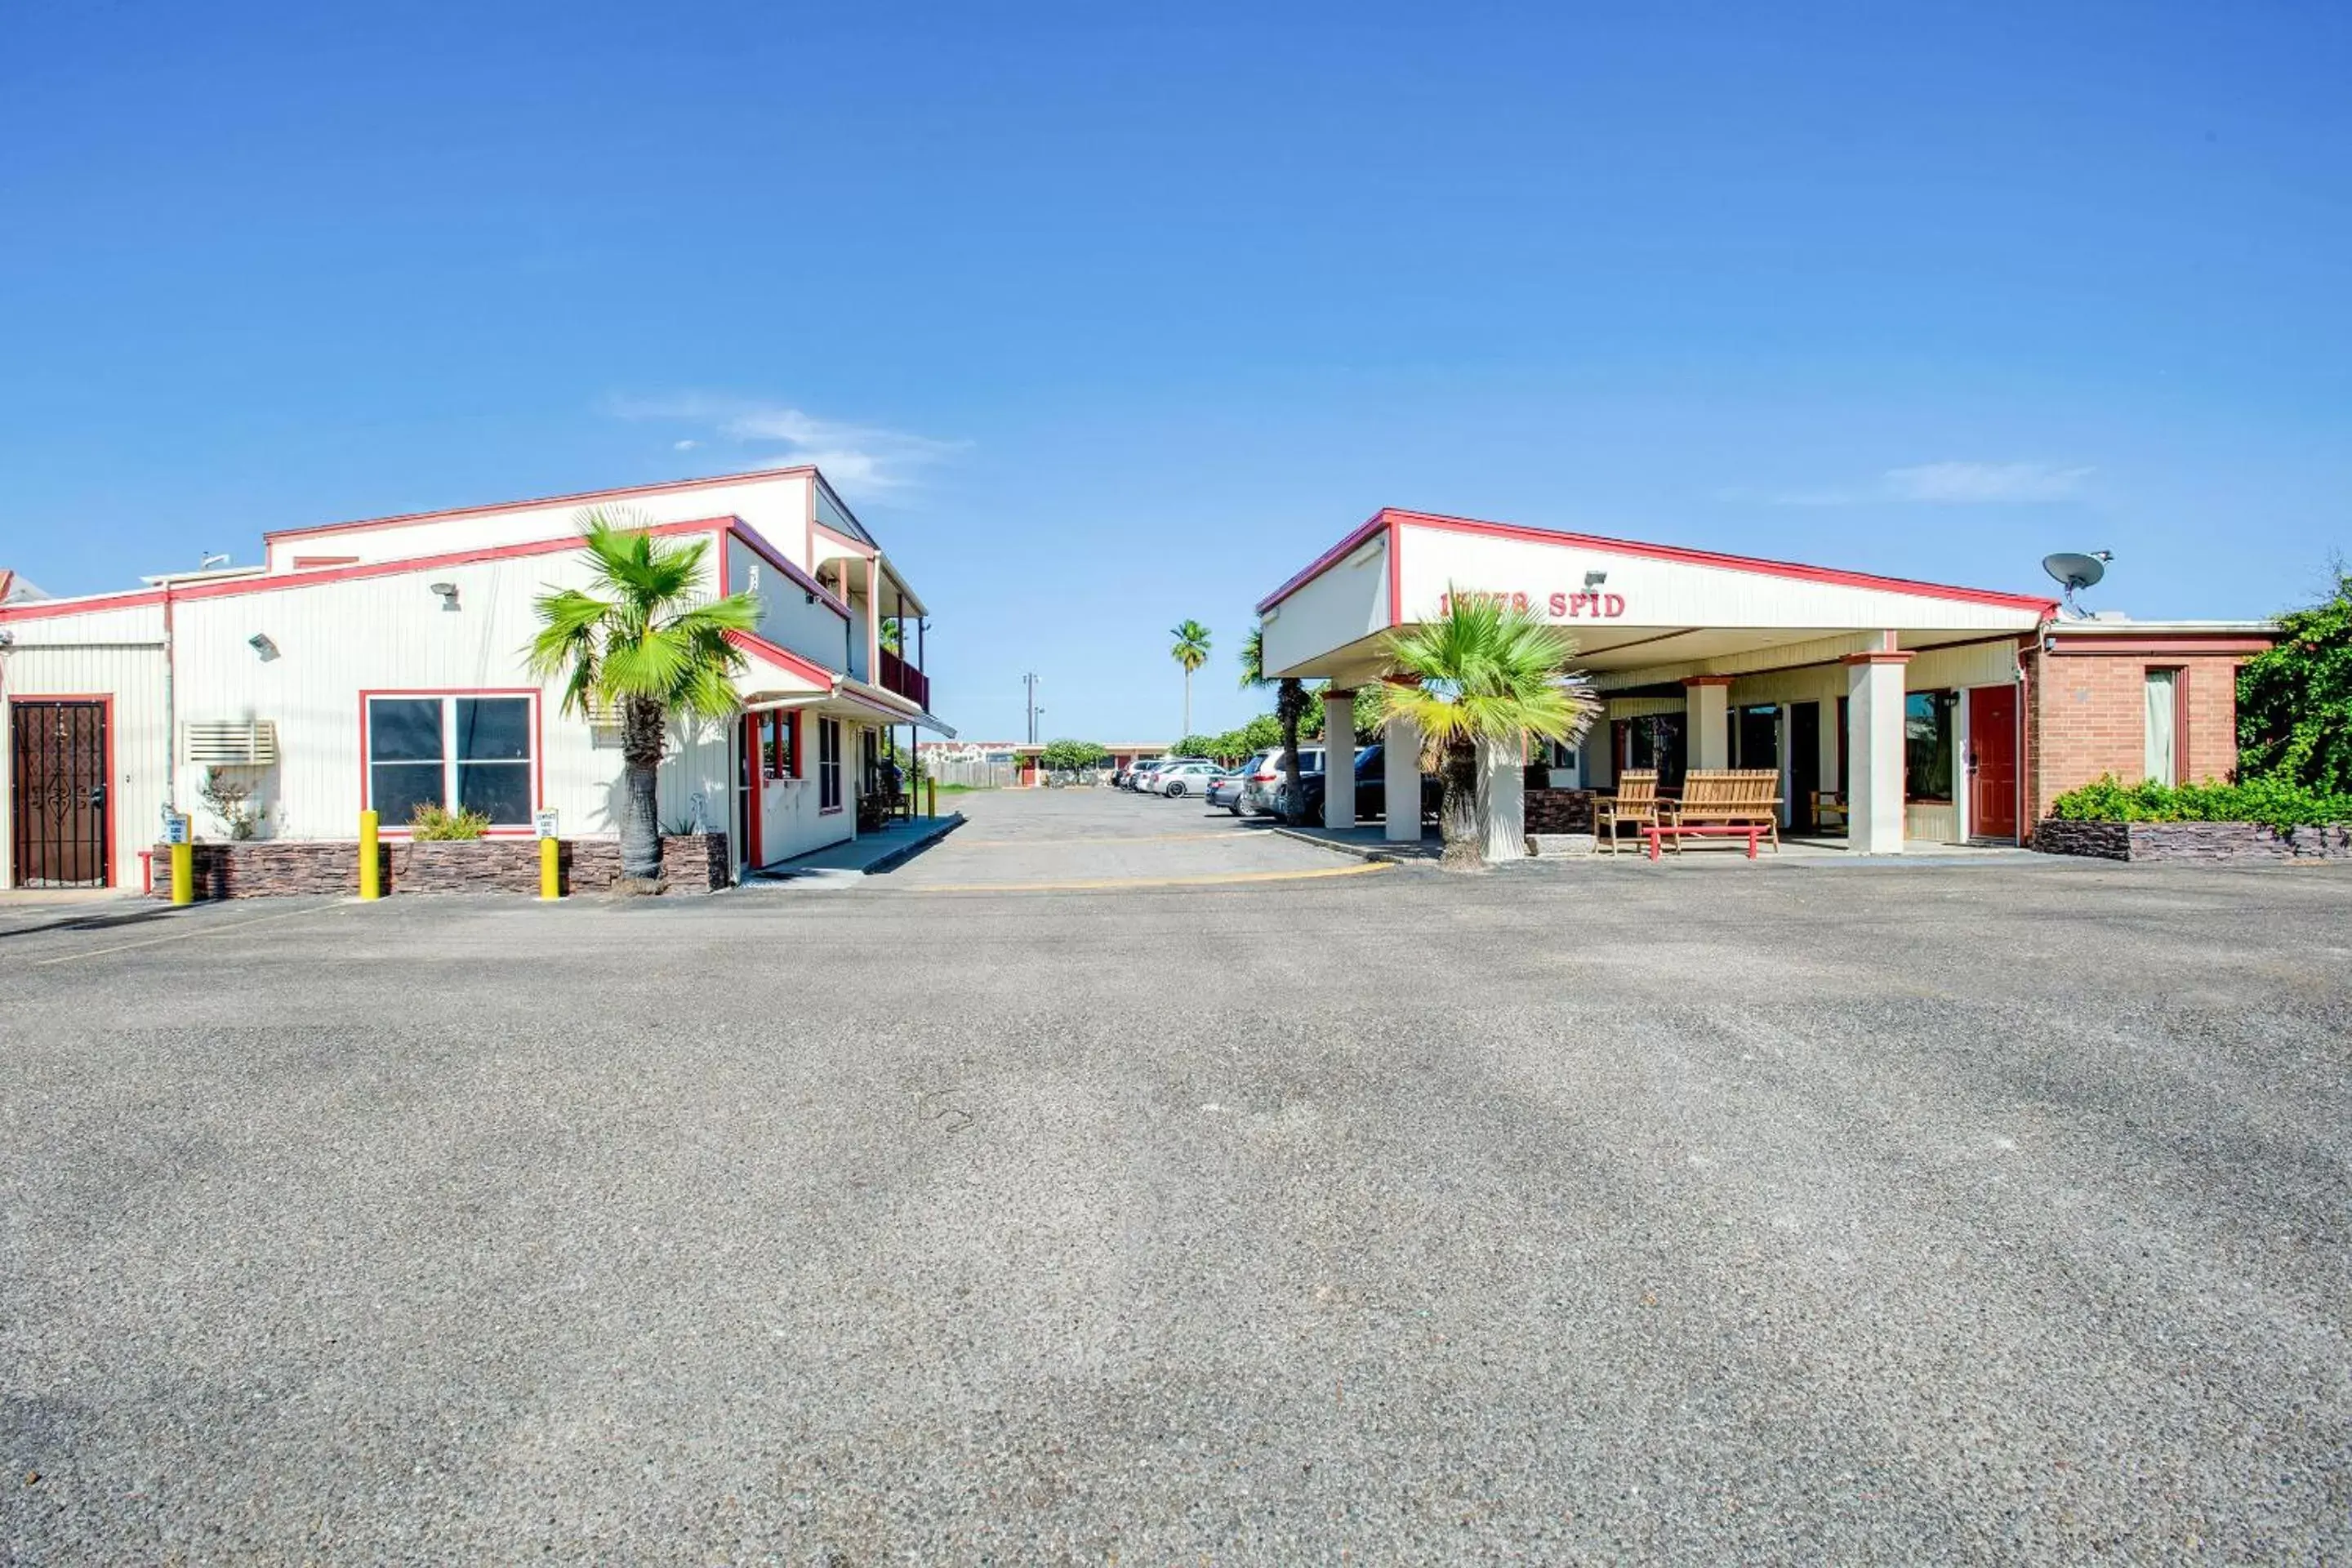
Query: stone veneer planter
[
  {"x": 691, "y": 863},
  {"x": 2192, "y": 840},
  {"x": 1550, "y": 811}
]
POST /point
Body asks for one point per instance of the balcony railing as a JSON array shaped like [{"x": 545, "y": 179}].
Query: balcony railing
[{"x": 906, "y": 680}]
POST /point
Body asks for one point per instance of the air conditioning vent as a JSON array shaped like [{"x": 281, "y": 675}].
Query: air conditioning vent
[{"x": 233, "y": 742}]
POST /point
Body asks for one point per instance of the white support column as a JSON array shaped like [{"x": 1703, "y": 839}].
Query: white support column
[
  {"x": 1338, "y": 759},
  {"x": 1707, "y": 734},
  {"x": 1401, "y": 766},
  {"x": 1502, "y": 799},
  {"x": 1875, "y": 751}
]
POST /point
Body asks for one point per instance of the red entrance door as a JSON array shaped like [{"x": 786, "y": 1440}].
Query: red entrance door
[{"x": 1992, "y": 762}]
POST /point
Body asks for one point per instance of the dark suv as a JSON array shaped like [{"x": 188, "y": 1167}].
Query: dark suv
[{"x": 1371, "y": 789}]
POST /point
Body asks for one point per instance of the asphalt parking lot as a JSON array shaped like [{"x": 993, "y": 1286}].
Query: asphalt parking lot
[
  {"x": 1568, "y": 1213},
  {"x": 1103, "y": 837}
]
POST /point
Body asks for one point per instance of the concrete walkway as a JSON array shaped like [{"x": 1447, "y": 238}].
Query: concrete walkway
[{"x": 869, "y": 854}]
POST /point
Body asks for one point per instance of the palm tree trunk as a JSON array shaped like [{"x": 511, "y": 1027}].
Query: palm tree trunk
[
  {"x": 1290, "y": 706},
  {"x": 1457, "y": 810},
  {"x": 1187, "y": 703},
  {"x": 642, "y": 723}
]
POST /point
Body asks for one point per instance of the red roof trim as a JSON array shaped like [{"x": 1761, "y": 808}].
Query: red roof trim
[
  {"x": 2187, "y": 644},
  {"x": 276, "y": 582},
  {"x": 1666, "y": 552},
  {"x": 768, "y": 552},
  {"x": 1370, "y": 526},
  {"x": 497, "y": 507},
  {"x": 782, "y": 658}
]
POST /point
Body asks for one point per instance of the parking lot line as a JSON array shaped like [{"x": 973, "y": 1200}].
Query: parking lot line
[
  {"x": 1212, "y": 880},
  {"x": 182, "y": 935}
]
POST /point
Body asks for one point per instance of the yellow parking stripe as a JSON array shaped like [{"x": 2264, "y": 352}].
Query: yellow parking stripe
[{"x": 1214, "y": 879}]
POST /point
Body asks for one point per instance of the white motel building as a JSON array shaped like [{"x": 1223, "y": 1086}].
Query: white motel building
[
  {"x": 1930, "y": 714},
  {"x": 379, "y": 665}
]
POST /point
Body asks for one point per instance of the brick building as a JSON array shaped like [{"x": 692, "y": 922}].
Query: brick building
[{"x": 2135, "y": 698}]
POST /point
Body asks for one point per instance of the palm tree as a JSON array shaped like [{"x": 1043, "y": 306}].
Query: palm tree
[
  {"x": 653, "y": 647},
  {"x": 1291, "y": 707},
  {"x": 1482, "y": 674},
  {"x": 1191, "y": 651}
]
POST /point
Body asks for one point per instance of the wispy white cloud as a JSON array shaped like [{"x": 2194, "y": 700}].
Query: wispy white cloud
[
  {"x": 1955, "y": 484},
  {"x": 867, "y": 459}
]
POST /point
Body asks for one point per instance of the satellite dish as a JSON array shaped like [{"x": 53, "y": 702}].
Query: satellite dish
[{"x": 2075, "y": 572}]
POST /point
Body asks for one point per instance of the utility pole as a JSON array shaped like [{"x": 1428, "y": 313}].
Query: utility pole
[{"x": 1030, "y": 682}]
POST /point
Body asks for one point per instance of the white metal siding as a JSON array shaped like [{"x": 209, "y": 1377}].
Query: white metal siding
[{"x": 777, "y": 507}]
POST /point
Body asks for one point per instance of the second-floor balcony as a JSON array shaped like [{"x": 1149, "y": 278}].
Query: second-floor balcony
[{"x": 897, "y": 675}]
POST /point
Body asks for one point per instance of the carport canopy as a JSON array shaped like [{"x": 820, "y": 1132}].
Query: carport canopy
[{"x": 1644, "y": 615}]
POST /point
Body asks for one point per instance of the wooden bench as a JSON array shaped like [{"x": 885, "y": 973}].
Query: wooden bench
[
  {"x": 1828, "y": 802},
  {"x": 1635, "y": 805},
  {"x": 1719, "y": 802}
]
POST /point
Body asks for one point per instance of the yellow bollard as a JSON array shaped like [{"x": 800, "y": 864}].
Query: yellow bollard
[
  {"x": 371, "y": 873},
  {"x": 183, "y": 873},
  {"x": 551, "y": 869},
  {"x": 932, "y": 796}
]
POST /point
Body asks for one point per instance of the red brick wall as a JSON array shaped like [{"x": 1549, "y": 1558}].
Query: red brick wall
[{"x": 2088, "y": 715}]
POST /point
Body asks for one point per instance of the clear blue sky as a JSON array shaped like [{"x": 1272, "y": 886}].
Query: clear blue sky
[{"x": 1106, "y": 315}]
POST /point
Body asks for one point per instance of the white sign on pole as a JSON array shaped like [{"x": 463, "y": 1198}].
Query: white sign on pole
[
  {"x": 543, "y": 822},
  {"x": 176, "y": 828}
]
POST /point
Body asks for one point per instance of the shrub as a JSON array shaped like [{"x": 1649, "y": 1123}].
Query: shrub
[
  {"x": 2272, "y": 802},
  {"x": 433, "y": 822}
]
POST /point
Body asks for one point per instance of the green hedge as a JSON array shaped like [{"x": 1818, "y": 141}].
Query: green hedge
[{"x": 2267, "y": 801}]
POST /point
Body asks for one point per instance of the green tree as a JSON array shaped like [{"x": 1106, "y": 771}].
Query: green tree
[
  {"x": 1482, "y": 674},
  {"x": 1072, "y": 756},
  {"x": 2294, "y": 702},
  {"x": 1191, "y": 651},
  {"x": 648, "y": 643}
]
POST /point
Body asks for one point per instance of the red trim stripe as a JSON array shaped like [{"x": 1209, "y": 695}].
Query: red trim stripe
[
  {"x": 497, "y": 507},
  {"x": 43, "y": 608},
  {"x": 1393, "y": 517}
]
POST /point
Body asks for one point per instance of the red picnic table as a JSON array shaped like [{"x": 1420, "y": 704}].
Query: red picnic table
[{"x": 1656, "y": 833}]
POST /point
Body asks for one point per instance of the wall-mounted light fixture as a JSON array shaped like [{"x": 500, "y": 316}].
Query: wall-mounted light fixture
[
  {"x": 1594, "y": 579},
  {"x": 259, "y": 643},
  {"x": 448, "y": 592}
]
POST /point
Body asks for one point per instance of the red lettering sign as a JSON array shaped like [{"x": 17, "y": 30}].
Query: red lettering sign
[{"x": 1562, "y": 606}]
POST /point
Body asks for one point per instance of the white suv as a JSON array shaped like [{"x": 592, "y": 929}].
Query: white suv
[{"x": 1257, "y": 795}]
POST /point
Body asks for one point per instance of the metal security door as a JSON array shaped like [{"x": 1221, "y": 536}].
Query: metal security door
[{"x": 57, "y": 776}]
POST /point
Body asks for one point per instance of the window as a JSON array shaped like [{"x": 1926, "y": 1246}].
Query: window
[
  {"x": 2161, "y": 763},
  {"x": 1654, "y": 741},
  {"x": 1927, "y": 744},
  {"x": 471, "y": 754},
  {"x": 778, "y": 736},
  {"x": 828, "y": 764}
]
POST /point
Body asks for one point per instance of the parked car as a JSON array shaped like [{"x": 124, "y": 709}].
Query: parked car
[
  {"x": 1139, "y": 777},
  {"x": 1266, "y": 778},
  {"x": 1227, "y": 788},
  {"x": 1371, "y": 789},
  {"x": 1183, "y": 778}
]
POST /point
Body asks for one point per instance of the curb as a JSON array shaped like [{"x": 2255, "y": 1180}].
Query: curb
[
  {"x": 1360, "y": 851},
  {"x": 906, "y": 852}
]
